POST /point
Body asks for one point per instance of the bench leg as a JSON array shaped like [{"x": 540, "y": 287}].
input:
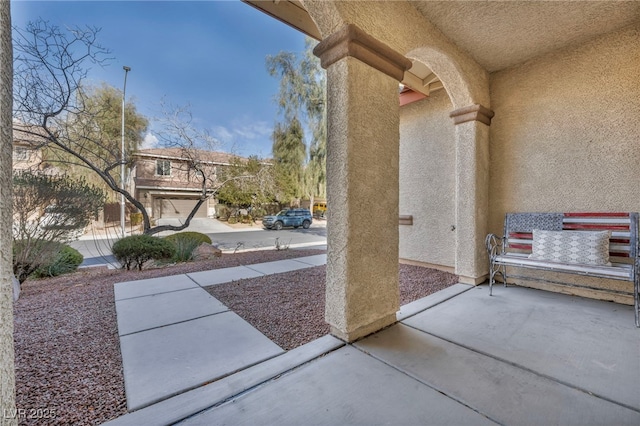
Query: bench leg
[
  {"x": 495, "y": 246},
  {"x": 492, "y": 275},
  {"x": 503, "y": 272},
  {"x": 490, "y": 283},
  {"x": 636, "y": 292},
  {"x": 493, "y": 271}
]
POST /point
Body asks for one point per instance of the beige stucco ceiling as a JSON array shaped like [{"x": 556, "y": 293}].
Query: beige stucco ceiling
[
  {"x": 496, "y": 33},
  {"x": 499, "y": 34}
]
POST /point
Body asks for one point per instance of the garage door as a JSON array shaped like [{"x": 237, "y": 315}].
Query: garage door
[{"x": 180, "y": 208}]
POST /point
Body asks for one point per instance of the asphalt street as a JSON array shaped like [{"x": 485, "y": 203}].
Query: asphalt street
[
  {"x": 262, "y": 239},
  {"x": 96, "y": 246}
]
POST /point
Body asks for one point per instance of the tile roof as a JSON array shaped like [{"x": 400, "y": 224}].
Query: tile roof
[
  {"x": 185, "y": 154},
  {"x": 28, "y": 134}
]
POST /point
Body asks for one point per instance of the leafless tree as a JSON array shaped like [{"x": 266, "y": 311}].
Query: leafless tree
[
  {"x": 197, "y": 152},
  {"x": 48, "y": 94}
]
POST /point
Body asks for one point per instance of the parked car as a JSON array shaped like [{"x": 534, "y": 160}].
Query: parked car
[{"x": 288, "y": 217}]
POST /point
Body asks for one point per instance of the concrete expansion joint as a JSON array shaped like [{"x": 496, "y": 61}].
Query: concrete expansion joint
[
  {"x": 201, "y": 385},
  {"x": 425, "y": 383},
  {"x": 292, "y": 369},
  {"x": 142, "y": 296},
  {"x": 196, "y": 282},
  {"x": 262, "y": 383},
  {"x": 305, "y": 263},
  {"x": 419, "y": 311},
  {"x": 174, "y": 323},
  {"x": 524, "y": 368},
  {"x": 254, "y": 270}
]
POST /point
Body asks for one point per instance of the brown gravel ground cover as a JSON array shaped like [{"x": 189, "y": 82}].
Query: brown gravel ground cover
[
  {"x": 289, "y": 308},
  {"x": 68, "y": 362}
]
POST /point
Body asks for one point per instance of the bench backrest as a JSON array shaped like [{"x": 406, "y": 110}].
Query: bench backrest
[{"x": 623, "y": 244}]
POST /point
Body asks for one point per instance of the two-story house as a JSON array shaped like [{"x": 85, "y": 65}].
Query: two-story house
[
  {"x": 164, "y": 179},
  {"x": 167, "y": 184},
  {"x": 27, "y": 141}
]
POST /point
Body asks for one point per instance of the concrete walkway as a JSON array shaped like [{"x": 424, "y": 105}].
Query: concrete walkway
[
  {"x": 456, "y": 357},
  {"x": 174, "y": 336}
]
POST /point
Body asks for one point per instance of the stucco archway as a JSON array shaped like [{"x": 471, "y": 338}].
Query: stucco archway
[
  {"x": 365, "y": 60},
  {"x": 471, "y": 120}
]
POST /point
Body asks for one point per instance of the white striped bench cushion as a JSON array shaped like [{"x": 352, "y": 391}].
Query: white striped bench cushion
[{"x": 619, "y": 271}]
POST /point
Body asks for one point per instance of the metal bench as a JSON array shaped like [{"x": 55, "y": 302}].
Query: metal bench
[{"x": 515, "y": 246}]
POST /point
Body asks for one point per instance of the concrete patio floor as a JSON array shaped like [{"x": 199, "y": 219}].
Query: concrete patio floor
[{"x": 522, "y": 356}]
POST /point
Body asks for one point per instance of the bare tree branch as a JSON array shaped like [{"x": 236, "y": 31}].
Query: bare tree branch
[{"x": 67, "y": 120}]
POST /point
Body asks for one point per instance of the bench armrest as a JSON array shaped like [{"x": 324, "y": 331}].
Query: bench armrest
[{"x": 495, "y": 245}]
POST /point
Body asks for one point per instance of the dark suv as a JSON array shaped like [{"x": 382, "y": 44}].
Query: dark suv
[{"x": 288, "y": 217}]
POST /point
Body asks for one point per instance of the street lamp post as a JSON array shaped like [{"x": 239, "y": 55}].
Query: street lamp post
[{"x": 122, "y": 153}]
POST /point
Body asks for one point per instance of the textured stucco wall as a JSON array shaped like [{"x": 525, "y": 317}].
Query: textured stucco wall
[
  {"x": 566, "y": 132},
  {"x": 427, "y": 180},
  {"x": 362, "y": 179},
  {"x": 404, "y": 29},
  {"x": 7, "y": 369},
  {"x": 401, "y": 27},
  {"x": 472, "y": 204}
]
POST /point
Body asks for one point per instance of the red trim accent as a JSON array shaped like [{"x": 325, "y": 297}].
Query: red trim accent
[
  {"x": 618, "y": 254},
  {"x": 620, "y": 240},
  {"x": 602, "y": 226},
  {"x": 618, "y": 214},
  {"x": 520, "y": 246},
  {"x": 409, "y": 96},
  {"x": 521, "y": 235}
]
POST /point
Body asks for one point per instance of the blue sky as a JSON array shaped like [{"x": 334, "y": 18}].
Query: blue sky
[{"x": 206, "y": 54}]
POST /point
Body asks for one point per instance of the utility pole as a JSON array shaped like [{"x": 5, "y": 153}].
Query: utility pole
[{"x": 122, "y": 158}]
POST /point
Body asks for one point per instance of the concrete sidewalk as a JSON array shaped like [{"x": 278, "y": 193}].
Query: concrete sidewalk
[
  {"x": 456, "y": 357},
  {"x": 174, "y": 336}
]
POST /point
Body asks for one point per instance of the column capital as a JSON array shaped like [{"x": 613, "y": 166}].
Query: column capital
[
  {"x": 352, "y": 41},
  {"x": 474, "y": 112}
]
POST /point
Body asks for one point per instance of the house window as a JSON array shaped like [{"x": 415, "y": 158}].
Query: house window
[
  {"x": 20, "y": 154},
  {"x": 194, "y": 175},
  {"x": 163, "y": 167}
]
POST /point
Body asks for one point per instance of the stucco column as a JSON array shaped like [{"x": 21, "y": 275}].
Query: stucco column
[
  {"x": 472, "y": 191},
  {"x": 362, "y": 293},
  {"x": 7, "y": 370}
]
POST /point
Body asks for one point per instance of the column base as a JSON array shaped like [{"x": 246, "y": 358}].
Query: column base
[
  {"x": 471, "y": 280},
  {"x": 364, "y": 330}
]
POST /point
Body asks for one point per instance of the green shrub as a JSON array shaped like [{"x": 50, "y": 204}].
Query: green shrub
[
  {"x": 136, "y": 250},
  {"x": 223, "y": 212},
  {"x": 185, "y": 243},
  {"x": 30, "y": 254},
  {"x": 65, "y": 261},
  {"x": 136, "y": 219},
  {"x": 258, "y": 212},
  {"x": 201, "y": 238}
]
